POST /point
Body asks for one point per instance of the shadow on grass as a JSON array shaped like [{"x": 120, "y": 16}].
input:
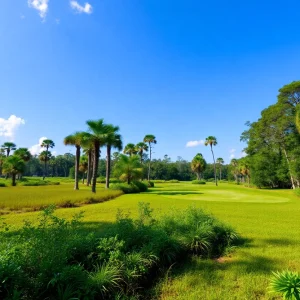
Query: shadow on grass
[
  {"x": 212, "y": 271},
  {"x": 175, "y": 193},
  {"x": 280, "y": 242}
]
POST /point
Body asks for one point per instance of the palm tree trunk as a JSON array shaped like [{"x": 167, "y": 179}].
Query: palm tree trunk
[
  {"x": 220, "y": 172},
  {"x": 77, "y": 162},
  {"x": 214, "y": 165},
  {"x": 13, "y": 177},
  {"x": 149, "y": 167},
  {"x": 45, "y": 163},
  {"x": 95, "y": 165},
  {"x": 91, "y": 155},
  {"x": 108, "y": 164},
  {"x": 83, "y": 178},
  {"x": 88, "y": 174}
]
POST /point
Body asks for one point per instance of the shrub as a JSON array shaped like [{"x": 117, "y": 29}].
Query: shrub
[
  {"x": 286, "y": 283},
  {"x": 198, "y": 182},
  {"x": 102, "y": 179},
  {"x": 132, "y": 188},
  {"x": 125, "y": 188},
  {"x": 150, "y": 184},
  {"x": 37, "y": 182},
  {"x": 143, "y": 187},
  {"x": 58, "y": 259},
  {"x": 158, "y": 181},
  {"x": 210, "y": 180},
  {"x": 2, "y": 184},
  {"x": 173, "y": 181}
]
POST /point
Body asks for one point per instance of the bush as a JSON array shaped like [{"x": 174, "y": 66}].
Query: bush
[
  {"x": 132, "y": 188},
  {"x": 102, "y": 179},
  {"x": 158, "y": 181},
  {"x": 198, "y": 182},
  {"x": 60, "y": 259},
  {"x": 37, "y": 182},
  {"x": 173, "y": 181},
  {"x": 210, "y": 180},
  {"x": 286, "y": 283},
  {"x": 143, "y": 187},
  {"x": 2, "y": 184},
  {"x": 150, "y": 184}
]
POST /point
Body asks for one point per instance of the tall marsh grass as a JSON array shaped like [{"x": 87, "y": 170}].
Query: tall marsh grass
[{"x": 33, "y": 198}]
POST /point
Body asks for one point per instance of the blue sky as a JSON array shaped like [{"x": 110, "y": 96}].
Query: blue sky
[{"x": 181, "y": 70}]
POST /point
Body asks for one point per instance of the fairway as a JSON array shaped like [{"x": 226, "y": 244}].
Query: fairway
[
  {"x": 210, "y": 193},
  {"x": 267, "y": 219}
]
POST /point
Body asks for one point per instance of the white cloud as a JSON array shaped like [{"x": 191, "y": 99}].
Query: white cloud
[
  {"x": 232, "y": 153},
  {"x": 37, "y": 149},
  {"x": 243, "y": 154},
  {"x": 8, "y": 127},
  {"x": 194, "y": 143},
  {"x": 40, "y": 5},
  {"x": 87, "y": 8}
]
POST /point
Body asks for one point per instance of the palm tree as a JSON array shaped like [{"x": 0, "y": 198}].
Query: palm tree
[
  {"x": 128, "y": 168},
  {"x": 2, "y": 158},
  {"x": 13, "y": 165},
  {"x": 76, "y": 140},
  {"x": 244, "y": 168},
  {"x": 96, "y": 137},
  {"x": 130, "y": 149},
  {"x": 87, "y": 146},
  {"x": 212, "y": 141},
  {"x": 235, "y": 165},
  {"x": 83, "y": 166},
  {"x": 45, "y": 156},
  {"x": 112, "y": 140},
  {"x": 220, "y": 162},
  {"x": 8, "y": 147},
  {"x": 24, "y": 154},
  {"x": 150, "y": 139},
  {"x": 198, "y": 165},
  {"x": 46, "y": 144},
  {"x": 140, "y": 148}
]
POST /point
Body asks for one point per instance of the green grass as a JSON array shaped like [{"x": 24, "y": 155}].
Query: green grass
[
  {"x": 268, "y": 219},
  {"x": 33, "y": 198}
]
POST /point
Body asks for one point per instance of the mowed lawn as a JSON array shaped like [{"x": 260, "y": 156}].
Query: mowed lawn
[{"x": 269, "y": 220}]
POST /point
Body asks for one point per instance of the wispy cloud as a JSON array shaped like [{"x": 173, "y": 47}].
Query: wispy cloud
[
  {"x": 232, "y": 153},
  {"x": 87, "y": 8},
  {"x": 40, "y": 5},
  {"x": 194, "y": 143},
  {"x": 8, "y": 127},
  {"x": 37, "y": 149}
]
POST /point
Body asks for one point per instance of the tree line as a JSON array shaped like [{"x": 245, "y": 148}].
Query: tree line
[
  {"x": 273, "y": 143},
  {"x": 134, "y": 163}
]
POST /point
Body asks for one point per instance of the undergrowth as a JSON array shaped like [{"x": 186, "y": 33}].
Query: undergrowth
[{"x": 60, "y": 259}]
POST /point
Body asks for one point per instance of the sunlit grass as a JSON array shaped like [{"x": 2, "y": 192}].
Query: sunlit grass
[
  {"x": 269, "y": 220},
  {"x": 32, "y": 198}
]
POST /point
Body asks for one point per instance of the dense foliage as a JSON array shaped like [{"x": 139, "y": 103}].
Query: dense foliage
[
  {"x": 273, "y": 143},
  {"x": 59, "y": 259}
]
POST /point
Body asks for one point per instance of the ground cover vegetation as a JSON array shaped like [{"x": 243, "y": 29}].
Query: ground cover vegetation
[
  {"x": 261, "y": 216},
  {"x": 58, "y": 259}
]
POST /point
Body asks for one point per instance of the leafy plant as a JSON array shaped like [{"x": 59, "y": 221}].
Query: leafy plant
[{"x": 287, "y": 283}]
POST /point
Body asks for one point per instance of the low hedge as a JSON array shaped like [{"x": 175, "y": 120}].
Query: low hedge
[
  {"x": 132, "y": 188},
  {"x": 198, "y": 182}
]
